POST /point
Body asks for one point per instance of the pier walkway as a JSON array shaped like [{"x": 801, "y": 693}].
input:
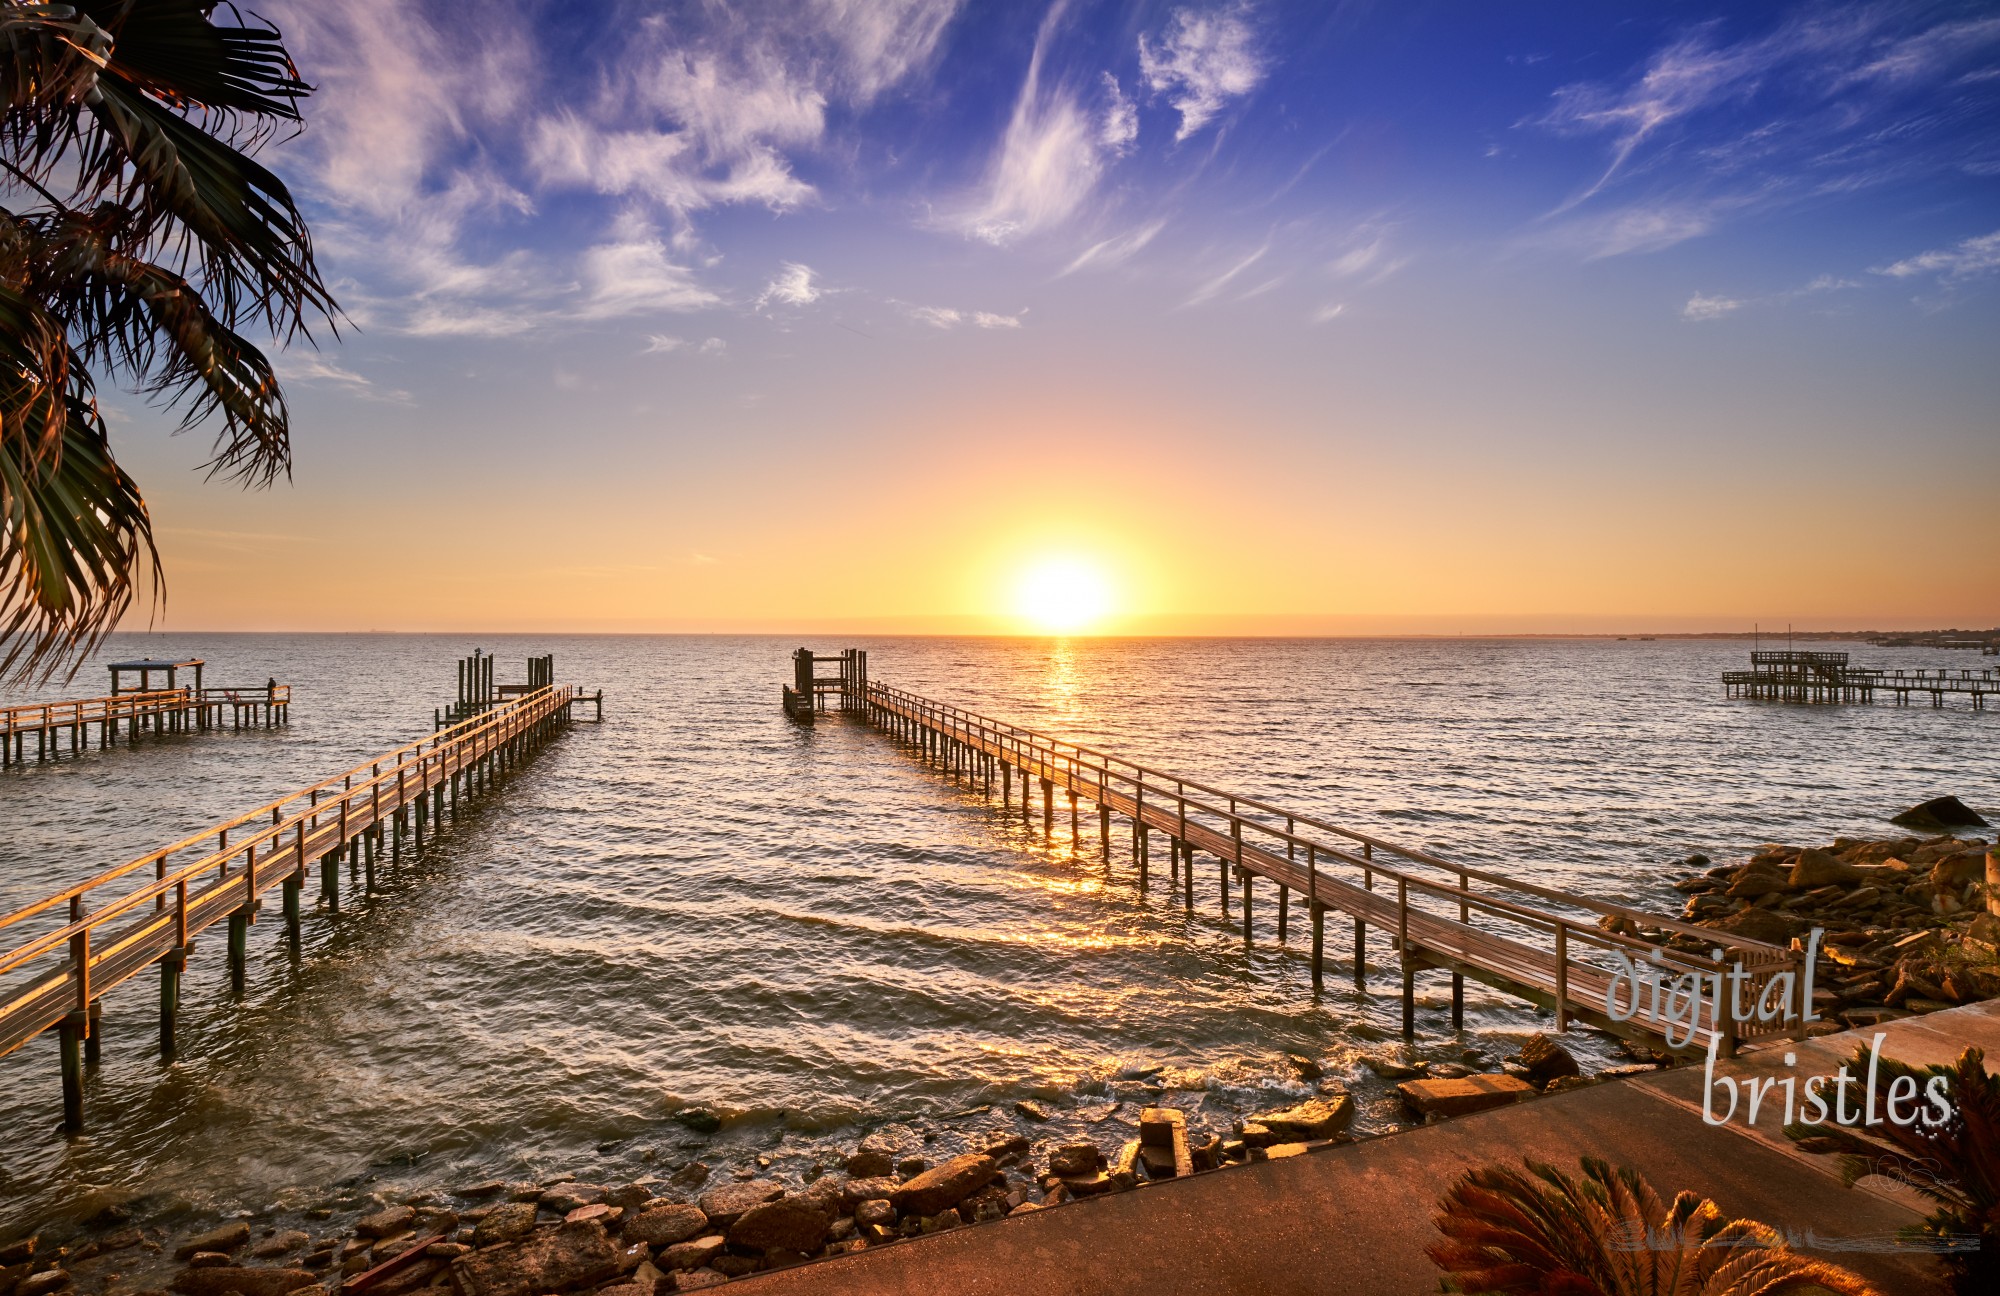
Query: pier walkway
[
  {"x": 146, "y": 913},
  {"x": 1555, "y": 949},
  {"x": 1353, "y": 1219}
]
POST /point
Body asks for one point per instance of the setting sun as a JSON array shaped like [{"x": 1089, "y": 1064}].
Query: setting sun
[{"x": 1063, "y": 595}]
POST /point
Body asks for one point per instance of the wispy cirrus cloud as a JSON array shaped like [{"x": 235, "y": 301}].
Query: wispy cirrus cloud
[
  {"x": 1828, "y": 101},
  {"x": 793, "y": 285},
  {"x": 1966, "y": 259},
  {"x": 950, "y": 317},
  {"x": 1200, "y": 61},
  {"x": 1117, "y": 249}
]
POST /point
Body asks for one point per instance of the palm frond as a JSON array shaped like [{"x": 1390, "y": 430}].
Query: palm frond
[{"x": 1542, "y": 1233}]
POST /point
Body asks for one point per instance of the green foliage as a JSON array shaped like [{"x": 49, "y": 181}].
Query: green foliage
[
  {"x": 149, "y": 240},
  {"x": 1543, "y": 1233},
  {"x": 1955, "y": 1165}
]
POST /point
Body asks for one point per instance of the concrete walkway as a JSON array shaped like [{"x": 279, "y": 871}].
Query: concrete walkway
[{"x": 1356, "y": 1217}]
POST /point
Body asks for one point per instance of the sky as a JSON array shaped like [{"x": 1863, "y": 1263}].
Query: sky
[{"x": 840, "y": 315}]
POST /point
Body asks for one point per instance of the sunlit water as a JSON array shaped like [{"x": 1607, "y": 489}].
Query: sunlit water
[{"x": 819, "y": 937}]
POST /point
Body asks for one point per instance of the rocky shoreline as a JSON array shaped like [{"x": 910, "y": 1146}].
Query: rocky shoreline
[{"x": 1907, "y": 930}]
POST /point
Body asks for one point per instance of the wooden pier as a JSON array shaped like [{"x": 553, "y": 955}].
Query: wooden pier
[
  {"x": 807, "y": 693},
  {"x": 146, "y": 913},
  {"x": 1799, "y": 676},
  {"x": 54, "y": 728},
  {"x": 1555, "y": 949}
]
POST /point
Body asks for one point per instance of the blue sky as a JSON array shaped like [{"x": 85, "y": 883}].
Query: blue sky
[{"x": 1545, "y": 270}]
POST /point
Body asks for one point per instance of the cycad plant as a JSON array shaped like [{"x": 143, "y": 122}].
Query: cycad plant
[
  {"x": 138, "y": 238},
  {"x": 1954, "y": 1164},
  {"x": 1608, "y": 1234}
]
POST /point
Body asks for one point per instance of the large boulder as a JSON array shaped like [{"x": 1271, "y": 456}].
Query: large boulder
[
  {"x": 1324, "y": 1117},
  {"x": 233, "y": 1281},
  {"x": 1461, "y": 1097},
  {"x": 665, "y": 1225},
  {"x": 560, "y": 1259},
  {"x": 787, "y": 1224},
  {"x": 1765, "y": 925},
  {"x": 692, "y": 1254},
  {"x": 1939, "y": 813},
  {"x": 1756, "y": 880},
  {"x": 1818, "y": 868},
  {"x": 855, "y": 1191},
  {"x": 726, "y": 1204},
  {"x": 870, "y": 1163},
  {"x": 944, "y": 1186},
  {"x": 1545, "y": 1060},
  {"x": 509, "y": 1222}
]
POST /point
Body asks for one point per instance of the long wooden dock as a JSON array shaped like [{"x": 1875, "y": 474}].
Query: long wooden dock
[
  {"x": 1802, "y": 676},
  {"x": 146, "y": 913},
  {"x": 57, "y": 728},
  {"x": 1555, "y": 949}
]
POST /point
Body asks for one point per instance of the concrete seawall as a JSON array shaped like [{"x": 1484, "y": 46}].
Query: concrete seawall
[{"x": 1356, "y": 1217}]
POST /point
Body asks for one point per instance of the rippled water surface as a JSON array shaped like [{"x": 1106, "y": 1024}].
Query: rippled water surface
[{"x": 819, "y": 937}]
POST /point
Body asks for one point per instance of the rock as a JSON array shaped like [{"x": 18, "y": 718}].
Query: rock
[
  {"x": 1125, "y": 1166},
  {"x": 867, "y": 1164},
  {"x": 1075, "y": 1159},
  {"x": 1254, "y": 1135},
  {"x": 693, "y": 1254},
  {"x": 1937, "y": 814},
  {"x": 856, "y": 1191},
  {"x": 1758, "y": 925},
  {"x": 1090, "y": 1185},
  {"x": 1563, "y": 1084},
  {"x": 41, "y": 1284},
  {"x": 1304, "y": 1067},
  {"x": 280, "y": 1244},
  {"x": 599, "y": 1211},
  {"x": 491, "y": 1188},
  {"x": 1818, "y": 868},
  {"x": 564, "y": 1198},
  {"x": 911, "y": 1166},
  {"x": 726, "y": 1204},
  {"x": 1547, "y": 1060},
  {"x": 226, "y": 1238},
  {"x": 1277, "y": 1150},
  {"x": 1324, "y": 1117},
  {"x": 1390, "y": 1068},
  {"x": 505, "y": 1223},
  {"x": 690, "y": 1175},
  {"x": 209, "y": 1260},
  {"x": 1460, "y": 1097},
  {"x": 698, "y": 1279},
  {"x": 19, "y": 1251},
  {"x": 385, "y": 1223},
  {"x": 877, "y": 1210},
  {"x": 788, "y": 1224},
  {"x": 702, "y": 1120},
  {"x": 558, "y": 1259},
  {"x": 630, "y": 1289},
  {"x": 666, "y": 1225},
  {"x": 1034, "y": 1111},
  {"x": 945, "y": 1186},
  {"x": 628, "y": 1196},
  {"x": 446, "y": 1250},
  {"x": 235, "y": 1281},
  {"x": 1008, "y": 1146},
  {"x": 1754, "y": 881},
  {"x": 735, "y": 1266}
]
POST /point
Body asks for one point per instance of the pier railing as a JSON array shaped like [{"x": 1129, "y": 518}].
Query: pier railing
[
  {"x": 105, "y": 933},
  {"x": 1427, "y": 901}
]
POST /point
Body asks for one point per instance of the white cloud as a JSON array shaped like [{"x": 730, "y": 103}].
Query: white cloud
[
  {"x": 1116, "y": 249},
  {"x": 1701, "y": 307},
  {"x": 307, "y": 367},
  {"x": 1963, "y": 260},
  {"x": 1369, "y": 257},
  {"x": 713, "y": 347},
  {"x": 949, "y": 317},
  {"x": 662, "y": 344},
  {"x": 1221, "y": 281},
  {"x": 632, "y": 275},
  {"x": 1048, "y": 162},
  {"x": 793, "y": 286},
  {"x": 1639, "y": 228},
  {"x": 1120, "y": 123},
  {"x": 1328, "y": 312},
  {"x": 1200, "y": 62}
]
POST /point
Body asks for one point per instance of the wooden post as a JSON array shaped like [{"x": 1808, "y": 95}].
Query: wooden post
[
  {"x": 1318, "y": 911},
  {"x": 1245, "y": 875},
  {"x": 1562, "y": 976},
  {"x": 293, "y": 885},
  {"x": 1403, "y": 957},
  {"x": 1048, "y": 807},
  {"x": 1187, "y": 874},
  {"x": 71, "y": 1032},
  {"x": 171, "y": 965},
  {"x": 1284, "y": 909},
  {"x": 239, "y": 947},
  {"x": 1104, "y": 834}
]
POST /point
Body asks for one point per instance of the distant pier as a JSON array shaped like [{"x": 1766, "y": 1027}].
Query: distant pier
[
  {"x": 131, "y": 710},
  {"x": 1797, "y": 676}
]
